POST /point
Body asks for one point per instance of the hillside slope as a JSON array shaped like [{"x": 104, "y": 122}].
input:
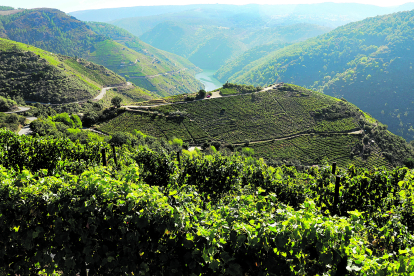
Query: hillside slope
[
  {"x": 57, "y": 32},
  {"x": 369, "y": 63},
  {"x": 31, "y": 74},
  {"x": 209, "y": 41},
  {"x": 286, "y": 122}
]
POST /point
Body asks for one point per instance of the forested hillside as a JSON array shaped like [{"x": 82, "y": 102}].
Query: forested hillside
[
  {"x": 54, "y": 31},
  {"x": 31, "y": 74},
  {"x": 284, "y": 123},
  {"x": 209, "y": 38},
  {"x": 369, "y": 63}
]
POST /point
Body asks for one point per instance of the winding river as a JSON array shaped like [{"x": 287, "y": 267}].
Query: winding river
[{"x": 206, "y": 78}]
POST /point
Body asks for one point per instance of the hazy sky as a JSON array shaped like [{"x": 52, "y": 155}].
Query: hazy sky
[{"x": 74, "y": 5}]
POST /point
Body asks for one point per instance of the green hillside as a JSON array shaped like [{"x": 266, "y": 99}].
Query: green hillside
[
  {"x": 210, "y": 41},
  {"x": 240, "y": 63},
  {"x": 31, "y": 74},
  {"x": 54, "y": 31},
  {"x": 369, "y": 63},
  {"x": 286, "y": 123}
]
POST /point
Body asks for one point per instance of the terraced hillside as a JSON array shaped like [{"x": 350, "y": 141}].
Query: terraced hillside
[
  {"x": 286, "y": 122},
  {"x": 369, "y": 63},
  {"x": 31, "y": 74},
  {"x": 55, "y": 31}
]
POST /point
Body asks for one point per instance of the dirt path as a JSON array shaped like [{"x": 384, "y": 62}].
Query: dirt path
[
  {"x": 97, "y": 98},
  {"x": 102, "y": 94},
  {"x": 26, "y": 129},
  {"x": 357, "y": 132},
  {"x": 215, "y": 94},
  {"x": 21, "y": 109},
  {"x": 9, "y": 12},
  {"x": 94, "y": 130}
]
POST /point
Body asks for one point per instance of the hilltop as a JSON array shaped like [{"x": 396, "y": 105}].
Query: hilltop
[
  {"x": 369, "y": 63},
  {"x": 31, "y": 74},
  {"x": 55, "y": 31},
  {"x": 280, "y": 123},
  {"x": 327, "y": 14}
]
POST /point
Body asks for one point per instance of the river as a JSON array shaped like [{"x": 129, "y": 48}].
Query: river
[{"x": 206, "y": 78}]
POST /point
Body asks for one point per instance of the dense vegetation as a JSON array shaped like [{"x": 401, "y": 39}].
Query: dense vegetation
[
  {"x": 239, "y": 63},
  {"x": 287, "y": 123},
  {"x": 152, "y": 213},
  {"x": 7, "y": 104},
  {"x": 209, "y": 44},
  {"x": 369, "y": 63},
  {"x": 55, "y": 31},
  {"x": 12, "y": 122},
  {"x": 6, "y": 8},
  {"x": 30, "y": 74}
]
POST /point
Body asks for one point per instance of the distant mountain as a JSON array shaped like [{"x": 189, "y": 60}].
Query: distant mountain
[
  {"x": 241, "y": 62},
  {"x": 31, "y": 74},
  {"x": 265, "y": 42},
  {"x": 210, "y": 44},
  {"x": 327, "y": 14},
  {"x": 57, "y": 32},
  {"x": 369, "y": 63}
]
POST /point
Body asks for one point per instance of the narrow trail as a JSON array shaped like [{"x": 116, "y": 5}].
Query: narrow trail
[
  {"x": 21, "y": 109},
  {"x": 213, "y": 96},
  {"x": 97, "y": 98},
  {"x": 26, "y": 129},
  {"x": 357, "y": 132}
]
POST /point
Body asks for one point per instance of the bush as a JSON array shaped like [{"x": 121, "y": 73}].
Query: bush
[
  {"x": 116, "y": 101},
  {"x": 7, "y": 105}
]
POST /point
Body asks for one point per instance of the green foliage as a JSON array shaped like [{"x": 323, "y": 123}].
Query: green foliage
[
  {"x": 123, "y": 138},
  {"x": 11, "y": 121},
  {"x": 232, "y": 88},
  {"x": 6, "y": 8},
  {"x": 203, "y": 215},
  {"x": 54, "y": 155},
  {"x": 62, "y": 34},
  {"x": 116, "y": 101},
  {"x": 35, "y": 75},
  {"x": 7, "y": 104},
  {"x": 201, "y": 94}
]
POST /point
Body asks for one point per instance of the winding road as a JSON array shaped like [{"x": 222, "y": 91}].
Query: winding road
[
  {"x": 215, "y": 94},
  {"x": 26, "y": 129}
]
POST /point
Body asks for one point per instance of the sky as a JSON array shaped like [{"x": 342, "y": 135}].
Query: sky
[{"x": 75, "y": 5}]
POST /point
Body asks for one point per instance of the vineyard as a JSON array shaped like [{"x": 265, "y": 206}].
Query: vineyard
[
  {"x": 150, "y": 213},
  {"x": 314, "y": 149},
  {"x": 276, "y": 123}
]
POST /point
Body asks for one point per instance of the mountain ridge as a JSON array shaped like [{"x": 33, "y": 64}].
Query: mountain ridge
[{"x": 53, "y": 30}]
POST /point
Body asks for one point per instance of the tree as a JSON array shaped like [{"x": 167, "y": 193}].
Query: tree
[
  {"x": 90, "y": 118},
  {"x": 6, "y": 104},
  {"x": 201, "y": 94},
  {"x": 116, "y": 101}
]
